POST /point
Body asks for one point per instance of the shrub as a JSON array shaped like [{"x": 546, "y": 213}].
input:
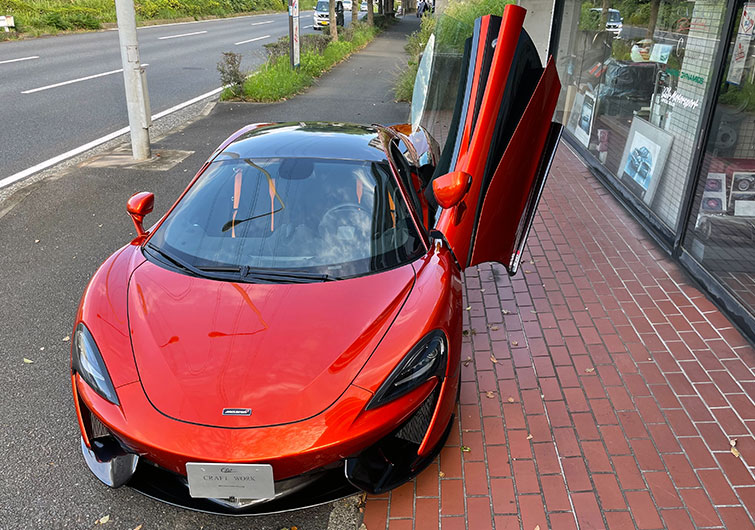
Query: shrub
[{"x": 230, "y": 72}]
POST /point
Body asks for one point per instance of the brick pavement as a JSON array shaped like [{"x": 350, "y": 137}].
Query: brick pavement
[{"x": 600, "y": 389}]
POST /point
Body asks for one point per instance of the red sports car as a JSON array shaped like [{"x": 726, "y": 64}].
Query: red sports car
[{"x": 289, "y": 332}]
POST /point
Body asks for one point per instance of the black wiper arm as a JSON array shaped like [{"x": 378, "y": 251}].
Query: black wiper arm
[
  {"x": 284, "y": 275},
  {"x": 196, "y": 271}
]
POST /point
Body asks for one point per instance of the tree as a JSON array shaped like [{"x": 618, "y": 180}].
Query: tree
[
  {"x": 370, "y": 15},
  {"x": 654, "y": 6},
  {"x": 333, "y": 21},
  {"x": 354, "y": 10}
]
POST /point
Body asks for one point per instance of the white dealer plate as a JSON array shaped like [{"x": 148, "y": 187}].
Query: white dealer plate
[{"x": 221, "y": 481}]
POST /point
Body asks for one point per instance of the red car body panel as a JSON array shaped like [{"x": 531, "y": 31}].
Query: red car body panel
[
  {"x": 286, "y": 351},
  {"x": 292, "y": 449},
  {"x": 508, "y": 195},
  {"x": 489, "y": 88}
]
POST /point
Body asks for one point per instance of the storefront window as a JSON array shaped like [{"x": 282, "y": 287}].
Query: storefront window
[
  {"x": 635, "y": 76},
  {"x": 721, "y": 231}
]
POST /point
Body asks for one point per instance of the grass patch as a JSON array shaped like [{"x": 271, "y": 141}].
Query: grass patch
[
  {"x": 35, "y": 17},
  {"x": 276, "y": 80}
]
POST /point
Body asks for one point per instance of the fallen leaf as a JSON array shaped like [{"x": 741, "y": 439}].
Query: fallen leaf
[
  {"x": 465, "y": 449},
  {"x": 735, "y": 451},
  {"x": 532, "y": 262},
  {"x": 589, "y": 370},
  {"x": 472, "y": 331},
  {"x": 511, "y": 400},
  {"x": 42, "y": 348},
  {"x": 465, "y": 333},
  {"x": 733, "y": 442},
  {"x": 100, "y": 226},
  {"x": 36, "y": 240},
  {"x": 490, "y": 394},
  {"x": 482, "y": 290},
  {"x": 533, "y": 312},
  {"x": 494, "y": 328},
  {"x": 537, "y": 527},
  {"x": 66, "y": 338},
  {"x": 492, "y": 358},
  {"x": 28, "y": 361},
  {"x": 138, "y": 527},
  {"x": 506, "y": 312},
  {"x": 469, "y": 308},
  {"x": 467, "y": 361},
  {"x": 529, "y": 437},
  {"x": 441, "y": 474},
  {"x": 102, "y": 520},
  {"x": 514, "y": 343},
  {"x": 527, "y": 272}
]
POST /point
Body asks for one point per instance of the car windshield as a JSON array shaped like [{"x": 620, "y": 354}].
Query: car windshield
[
  {"x": 335, "y": 218},
  {"x": 322, "y": 5}
]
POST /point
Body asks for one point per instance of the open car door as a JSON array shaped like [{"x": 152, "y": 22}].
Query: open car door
[{"x": 501, "y": 144}]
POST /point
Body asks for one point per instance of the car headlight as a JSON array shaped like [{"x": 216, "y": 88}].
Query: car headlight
[
  {"x": 87, "y": 361},
  {"x": 426, "y": 359}
]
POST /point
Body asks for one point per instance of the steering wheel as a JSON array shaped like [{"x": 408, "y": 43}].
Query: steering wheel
[{"x": 344, "y": 214}]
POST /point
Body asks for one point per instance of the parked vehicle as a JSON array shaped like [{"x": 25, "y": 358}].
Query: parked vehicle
[
  {"x": 290, "y": 331},
  {"x": 614, "y": 22},
  {"x": 322, "y": 14}
]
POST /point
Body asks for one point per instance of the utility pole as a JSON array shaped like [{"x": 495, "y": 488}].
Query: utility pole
[{"x": 137, "y": 98}]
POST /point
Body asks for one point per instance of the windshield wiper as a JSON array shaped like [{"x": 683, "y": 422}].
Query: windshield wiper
[
  {"x": 244, "y": 272},
  {"x": 202, "y": 272},
  {"x": 286, "y": 275}
]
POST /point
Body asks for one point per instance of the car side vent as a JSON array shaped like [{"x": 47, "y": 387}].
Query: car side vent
[{"x": 415, "y": 428}]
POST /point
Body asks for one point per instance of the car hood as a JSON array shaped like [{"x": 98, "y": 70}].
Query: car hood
[{"x": 285, "y": 351}]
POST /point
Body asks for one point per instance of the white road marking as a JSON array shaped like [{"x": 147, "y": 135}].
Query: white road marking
[
  {"x": 260, "y": 23},
  {"x": 310, "y": 26},
  {"x": 251, "y": 40},
  {"x": 20, "y": 59},
  {"x": 200, "y": 21},
  {"x": 7, "y": 181},
  {"x": 40, "y": 89},
  {"x": 182, "y": 35}
]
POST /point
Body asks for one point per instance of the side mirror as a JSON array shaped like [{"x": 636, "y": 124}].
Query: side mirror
[
  {"x": 138, "y": 206},
  {"x": 449, "y": 189}
]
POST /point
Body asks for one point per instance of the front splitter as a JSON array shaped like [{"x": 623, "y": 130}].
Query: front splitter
[{"x": 165, "y": 486}]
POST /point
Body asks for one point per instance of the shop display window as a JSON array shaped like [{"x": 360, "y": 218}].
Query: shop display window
[
  {"x": 635, "y": 76},
  {"x": 721, "y": 228}
]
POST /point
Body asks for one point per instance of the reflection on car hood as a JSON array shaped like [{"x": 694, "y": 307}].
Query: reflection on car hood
[{"x": 285, "y": 351}]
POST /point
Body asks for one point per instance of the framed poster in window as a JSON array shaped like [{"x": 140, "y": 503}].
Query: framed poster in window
[
  {"x": 644, "y": 158},
  {"x": 585, "y": 118}
]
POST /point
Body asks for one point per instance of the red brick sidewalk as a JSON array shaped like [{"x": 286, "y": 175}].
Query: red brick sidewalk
[{"x": 601, "y": 389}]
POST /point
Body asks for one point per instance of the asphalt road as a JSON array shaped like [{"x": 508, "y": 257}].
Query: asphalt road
[
  {"x": 42, "y": 120},
  {"x": 55, "y": 233}
]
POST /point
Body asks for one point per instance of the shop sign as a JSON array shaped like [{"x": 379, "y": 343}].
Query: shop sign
[
  {"x": 674, "y": 98},
  {"x": 694, "y": 78},
  {"x": 742, "y": 44}
]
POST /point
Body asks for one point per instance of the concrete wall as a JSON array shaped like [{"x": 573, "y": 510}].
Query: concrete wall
[{"x": 538, "y": 23}]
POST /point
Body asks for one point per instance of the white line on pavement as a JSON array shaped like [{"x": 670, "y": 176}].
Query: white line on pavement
[
  {"x": 305, "y": 27},
  {"x": 19, "y": 59},
  {"x": 40, "y": 89},
  {"x": 200, "y": 21},
  {"x": 182, "y": 35},
  {"x": 99, "y": 141},
  {"x": 260, "y": 23},
  {"x": 251, "y": 40}
]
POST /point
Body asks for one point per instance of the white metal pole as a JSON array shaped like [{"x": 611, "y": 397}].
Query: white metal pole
[{"x": 137, "y": 98}]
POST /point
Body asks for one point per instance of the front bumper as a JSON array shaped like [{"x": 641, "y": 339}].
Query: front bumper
[{"x": 380, "y": 455}]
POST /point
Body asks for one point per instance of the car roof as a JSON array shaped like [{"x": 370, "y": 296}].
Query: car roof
[
  {"x": 610, "y": 10},
  {"x": 344, "y": 141}
]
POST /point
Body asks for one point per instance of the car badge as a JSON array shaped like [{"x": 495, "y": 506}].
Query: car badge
[{"x": 237, "y": 412}]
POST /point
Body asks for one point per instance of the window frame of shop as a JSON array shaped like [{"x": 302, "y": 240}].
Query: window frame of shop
[{"x": 672, "y": 241}]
